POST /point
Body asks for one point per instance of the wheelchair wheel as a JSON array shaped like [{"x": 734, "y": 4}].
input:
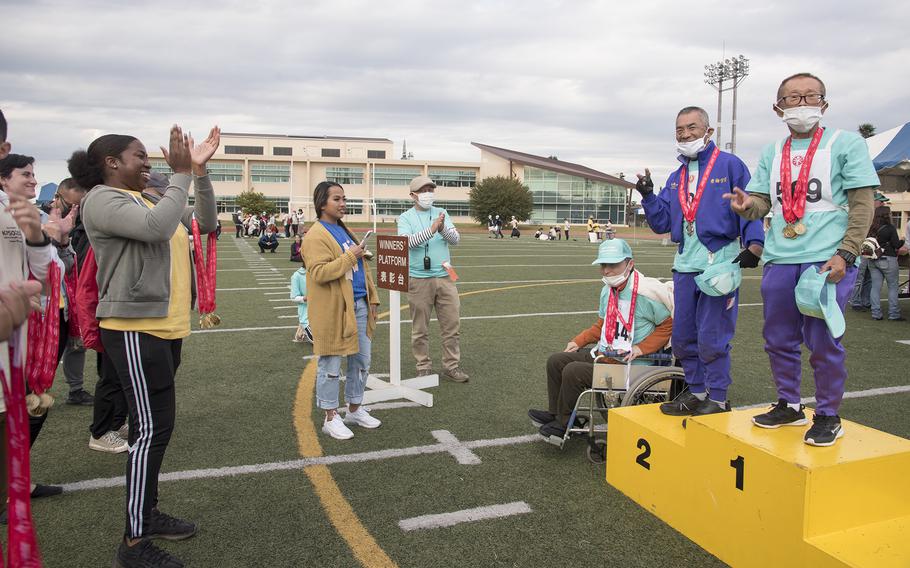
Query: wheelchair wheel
[
  {"x": 655, "y": 387},
  {"x": 597, "y": 451}
]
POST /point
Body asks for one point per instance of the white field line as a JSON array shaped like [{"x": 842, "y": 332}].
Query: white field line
[
  {"x": 904, "y": 341},
  {"x": 854, "y": 394},
  {"x": 281, "y": 299},
  {"x": 507, "y": 316},
  {"x": 232, "y": 329},
  {"x": 459, "y": 451},
  {"x": 294, "y": 307},
  {"x": 465, "y": 516},
  {"x": 231, "y": 471}
]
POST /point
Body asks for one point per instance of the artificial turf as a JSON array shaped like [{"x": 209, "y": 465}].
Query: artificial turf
[{"x": 236, "y": 391}]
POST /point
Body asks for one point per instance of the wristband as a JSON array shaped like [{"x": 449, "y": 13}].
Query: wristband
[
  {"x": 43, "y": 243},
  {"x": 848, "y": 256}
]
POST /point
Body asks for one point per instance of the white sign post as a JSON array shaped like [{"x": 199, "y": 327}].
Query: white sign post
[{"x": 392, "y": 275}]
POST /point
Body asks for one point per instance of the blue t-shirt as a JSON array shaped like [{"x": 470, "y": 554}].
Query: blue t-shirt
[
  {"x": 344, "y": 240},
  {"x": 841, "y": 163},
  {"x": 414, "y": 221}
]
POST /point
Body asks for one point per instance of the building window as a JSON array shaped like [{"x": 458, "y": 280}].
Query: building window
[
  {"x": 256, "y": 150},
  {"x": 354, "y": 206},
  {"x": 331, "y": 153},
  {"x": 282, "y": 151},
  {"x": 161, "y": 167},
  {"x": 558, "y": 196},
  {"x": 224, "y": 172},
  {"x": 344, "y": 176},
  {"x": 455, "y": 208},
  {"x": 270, "y": 173},
  {"x": 376, "y": 154},
  {"x": 394, "y": 207},
  {"x": 454, "y": 178},
  {"x": 228, "y": 203},
  {"x": 394, "y": 176}
]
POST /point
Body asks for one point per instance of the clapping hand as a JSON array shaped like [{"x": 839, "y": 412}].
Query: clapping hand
[
  {"x": 179, "y": 157},
  {"x": 740, "y": 201},
  {"x": 438, "y": 223},
  {"x": 59, "y": 228},
  {"x": 202, "y": 152},
  {"x": 26, "y": 217}
]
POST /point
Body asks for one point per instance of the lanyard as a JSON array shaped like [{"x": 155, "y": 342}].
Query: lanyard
[
  {"x": 690, "y": 207},
  {"x": 613, "y": 312},
  {"x": 793, "y": 199}
]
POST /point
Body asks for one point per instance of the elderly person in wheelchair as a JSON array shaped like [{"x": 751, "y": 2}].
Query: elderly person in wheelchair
[{"x": 635, "y": 321}]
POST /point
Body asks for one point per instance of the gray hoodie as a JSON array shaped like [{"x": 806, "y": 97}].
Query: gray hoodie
[{"x": 132, "y": 244}]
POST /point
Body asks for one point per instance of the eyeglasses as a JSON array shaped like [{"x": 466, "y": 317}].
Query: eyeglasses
[{"x": 811, "y": 99}]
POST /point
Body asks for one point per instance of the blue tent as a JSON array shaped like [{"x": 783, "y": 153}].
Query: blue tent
[
  {"x": 46, "y": 193},
  {"x": 890, "y": 152}
]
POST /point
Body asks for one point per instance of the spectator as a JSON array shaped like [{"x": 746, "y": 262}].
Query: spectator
[
  {"x": 884, "y": 268},
  {"x": 142, "y": 326},
  {"x": 342, "y": 296},
  {"x": 301, "y": 219},
  {"x": 516, "y": 234},
  {"x": 430, "y": 232},
  {"x": 295, "y": 248},
  {"x": 269, "y": 240},
  {"x": 565, "y": 227},
  {"x": 238, "y": 224},
  {"x": 298, "y": 294},
  {"x": 498, "y": 224},
  {"x": 860, "y": 299}
]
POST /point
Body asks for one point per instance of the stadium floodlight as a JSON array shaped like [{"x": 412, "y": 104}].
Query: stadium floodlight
[{"x": 730, "y": 72}]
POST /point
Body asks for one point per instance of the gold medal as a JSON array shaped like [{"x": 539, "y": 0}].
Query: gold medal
[
  {"x": 208, "y": 321},
  {"x": 789, "y": 232},
  {"x": 799, "y": 228}
]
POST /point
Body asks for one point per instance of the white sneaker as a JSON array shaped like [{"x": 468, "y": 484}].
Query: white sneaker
[
  {"x": 361, "y": 418},
  {"x": 124, "y": 431},
  {"x": 336, "y": 429},
  {"x": 111, "y": 443}
]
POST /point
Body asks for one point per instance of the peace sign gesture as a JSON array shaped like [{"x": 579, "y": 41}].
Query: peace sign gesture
[
  {"x": 740, "y": 201},
  {"x": 645, "y": 185}
]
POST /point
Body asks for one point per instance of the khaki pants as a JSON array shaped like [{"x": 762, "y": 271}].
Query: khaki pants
[{"x": 423, "y": 295}]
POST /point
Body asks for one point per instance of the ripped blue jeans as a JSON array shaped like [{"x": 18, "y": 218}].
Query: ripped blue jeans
[{"x": 328, "y": 369}]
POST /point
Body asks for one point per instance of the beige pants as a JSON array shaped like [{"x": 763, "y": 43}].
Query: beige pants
[{"x": 423, "y": 295}]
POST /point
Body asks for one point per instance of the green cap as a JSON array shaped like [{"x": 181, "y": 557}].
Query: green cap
[
  {"x": 720, "y": 279},
  {"x": 612, "y": 251},
  {"x": 817, "y": 298},
  {"x": 879, "y": 196}
]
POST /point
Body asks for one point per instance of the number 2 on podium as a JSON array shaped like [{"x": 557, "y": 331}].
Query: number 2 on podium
[
  {"x": 642, "y": 458},
  {"x": 739, "y": 464}
]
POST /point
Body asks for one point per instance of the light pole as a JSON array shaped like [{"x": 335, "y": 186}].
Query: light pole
[{"x": 732, "y": 71}]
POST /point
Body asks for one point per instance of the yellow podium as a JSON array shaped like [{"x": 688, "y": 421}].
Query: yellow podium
[{"x": 757, "y": 497}]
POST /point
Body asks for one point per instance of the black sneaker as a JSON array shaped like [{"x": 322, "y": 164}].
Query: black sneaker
[
  {"x": 80, "y": 398},
  {"x": 167, "y": 527},
  {"x": 144, "y": 554},
  {"x": 683, "y": 405},
  {"x": 553, "y": 432},
  {"x": 45, "y": 491},
  {"x": 540, "y": 417},
  {"x": 825, "y": 430},
  {"x": 781, "y": 415},
  {"x": 708, "y": 406}
]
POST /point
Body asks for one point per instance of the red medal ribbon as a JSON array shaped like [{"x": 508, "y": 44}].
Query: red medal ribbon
[
  {"x": 43, "y": 337},
  {"x": 689, "y": 208},
  {"x": 23, "y": 546},
  {"x": 613, "y": 311},
  {"x": 70, "y": 282},
  {"x": 793, "y": 199},
  {"x": 205, "y": 269}
]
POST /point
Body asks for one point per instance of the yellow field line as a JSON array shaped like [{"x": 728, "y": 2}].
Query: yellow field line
[{"x": 362, "y": 544}]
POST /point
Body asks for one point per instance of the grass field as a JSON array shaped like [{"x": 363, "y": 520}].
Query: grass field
[{"x": 245, "y": 402}]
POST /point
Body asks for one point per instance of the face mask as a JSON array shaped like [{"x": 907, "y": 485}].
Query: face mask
[
  {"x": 425, "y": 200},
  {"x": 616, "y": 281},
  {"x": 691, "y": 149},
  {"x": 802, "y": 118}
]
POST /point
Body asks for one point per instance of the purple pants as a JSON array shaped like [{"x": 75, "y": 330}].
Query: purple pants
[
  {"x": 703, "y": 327},
  {"x": 786, "y": 329}
]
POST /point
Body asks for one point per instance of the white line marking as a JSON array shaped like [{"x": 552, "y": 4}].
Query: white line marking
[
  {"x": 244, "y": 329},
  {"x": 294, "y": 307},
  {"x": 854, "y": 394},
  {"x": 466, "y": 516},
  {"x": 230, "y": 471},
  {"x": 904, "y": 341},
  {"x": 506, "y": 316},
  {"x": 462, "y": 455}
]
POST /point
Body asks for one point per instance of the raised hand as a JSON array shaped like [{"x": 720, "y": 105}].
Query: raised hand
[
  {"x": 179, "y": 157},
  {"x": 438, "y": 223},
  {"x": 59, "y": 228},
  {"x": 740, "y": 201},
  {"x": 26, "y": 217},
  {"x": 644, "y": 186},
  {"x": 202, "y": 152}
]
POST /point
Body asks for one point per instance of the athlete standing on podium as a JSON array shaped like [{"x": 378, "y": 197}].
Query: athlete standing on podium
[
  {"x": 691, "y": 208},
  {"x": 818, "y": 223}
]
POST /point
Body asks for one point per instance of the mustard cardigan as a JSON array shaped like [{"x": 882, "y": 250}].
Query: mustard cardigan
[{"x": 330, "y": 295}]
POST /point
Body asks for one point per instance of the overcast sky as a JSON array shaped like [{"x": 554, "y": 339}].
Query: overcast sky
[{"x": 593, "y": 82}]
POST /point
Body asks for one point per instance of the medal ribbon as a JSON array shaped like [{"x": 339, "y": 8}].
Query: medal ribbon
[
  {"x": 43, "y": 337},
  {"x": 23, "y": 546},
  {"x": 205, "y": 269},
  {"x": 689, "y": 208},
  {"x": 70, "y": 282},
  {"x": 793, "y": 199},
  {"x": 613, "y": 311}
]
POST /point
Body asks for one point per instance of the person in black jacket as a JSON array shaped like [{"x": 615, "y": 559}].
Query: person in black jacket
[{"x": 885, "y": 266}]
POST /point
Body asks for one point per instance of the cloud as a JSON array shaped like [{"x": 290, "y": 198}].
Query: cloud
[{"x": 590, "y": 81}]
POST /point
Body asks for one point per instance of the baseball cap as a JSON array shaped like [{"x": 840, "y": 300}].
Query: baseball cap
[
  {"x": 612, "y": 251},
  {"x": 419, "y": 182},
  {"x": 720, "y": 279},
  {"x": 157, "y": 180},
  {"x": 817, "y": 298}
]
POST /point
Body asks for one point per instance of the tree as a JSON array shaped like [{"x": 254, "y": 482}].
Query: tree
[
  {"x": 866, "y": 130},
  {"x": 254, "y": 202},
  {"x": 503, "y": 196}
]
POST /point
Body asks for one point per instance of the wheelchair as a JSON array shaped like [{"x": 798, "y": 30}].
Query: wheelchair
[{"x": 648, "y": 384}]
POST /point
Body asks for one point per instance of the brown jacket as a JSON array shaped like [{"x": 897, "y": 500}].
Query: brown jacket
[
  {"x": 651, "y": 344},
  {"x": 330, "y": 295}
]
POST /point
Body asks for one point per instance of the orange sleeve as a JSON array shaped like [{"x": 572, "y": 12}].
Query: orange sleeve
[
  {"x": 658, "y": 338},
  {"x": 590, "y": 335}
]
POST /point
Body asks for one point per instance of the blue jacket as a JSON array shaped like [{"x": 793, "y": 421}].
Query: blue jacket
[
  {"x": 716, "y": 224},
  {"x": 267, "y": 240}
]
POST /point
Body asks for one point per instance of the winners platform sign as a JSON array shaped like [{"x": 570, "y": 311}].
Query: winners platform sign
[
  {"x": 392, "y": 263},
  {"x": 392, "y": 275}
]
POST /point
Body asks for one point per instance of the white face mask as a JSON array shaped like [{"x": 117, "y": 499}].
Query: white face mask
[
  {"x": 691, "y": 149},
  {"x": 617, "y": 280},
  {"x": 802, "y": 118},
  {"x": 425, "y": 200}
]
